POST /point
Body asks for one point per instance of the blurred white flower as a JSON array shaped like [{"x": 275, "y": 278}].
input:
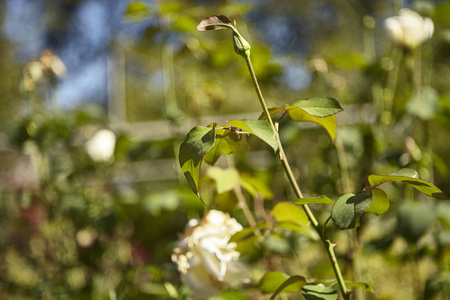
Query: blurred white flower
[
  {"x": 409, "y": 29},
  {"x": 86, "y": 237},
  {"x": 53, "y": 63},
  {"x": 49, "y": 64},
  {"x": 207, "y": 262},
  {"x": 101, "y": 146}
]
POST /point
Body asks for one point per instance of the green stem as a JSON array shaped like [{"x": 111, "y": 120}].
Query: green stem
[
  {"x": 342, "y": 160},
  {"x": 329, "y": 247},
  {"x": 347, "y": 187},
  {"x": 416, "y": 71},
  {"x": 258, "y": 91},
  {"x": 391, "y": 86},
  {"x": 327, "y": 243},
  {"x": 241, "y": 199}
]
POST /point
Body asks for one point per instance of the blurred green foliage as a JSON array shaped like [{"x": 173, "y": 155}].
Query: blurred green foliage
[{"x": 74, "y": 228}]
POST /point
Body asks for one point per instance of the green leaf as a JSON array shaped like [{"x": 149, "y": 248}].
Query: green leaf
[
  {"x": 246, "y": 233},
  {"x": 272, "y": 111},
  {"x": 197, "y": 142},
  {"x": 319, "y": 291},
  {"x": 295, "y": 281},
  {"x": 215, "y": 22},
  {"x": 321, "y": 199},
  {"x": 359, "y": 284},
  {"x": 288, "y": 212},
  {"x": 259, "y": 128},
  {"x": 320, "y": 106},
  {"x": 271, "y": 281},
  {"x": 435, "y": 285},
  {"x": 443, "y": 213},
  {"x": 303, "y": 229},
  {"x": 170, "y": 9},
  {"x": 411, "y": 177},
  {"x": 441, "y": 13},
  {"x": 137, "y": 11},
  {"x": 184, "y": 23},
  {"x": 226, "y": 179},
  {"x": 227, "y": 142},
  {"x": 255, "y": 186},
  {"x": 154, "y": 289},
  {"x": 424, "y": 103},
  {"x": 229, "y": 295},
  {"x": 380, "y": 203},
  {"x": 349, "y": 283},
  {"x": 414, "y": 219},
  {"x": 349, "y": 207},
  {"x": 300, "y": 115}
]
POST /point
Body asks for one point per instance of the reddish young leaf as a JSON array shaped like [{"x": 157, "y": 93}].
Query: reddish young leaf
[{"x": 215, "y": 22}]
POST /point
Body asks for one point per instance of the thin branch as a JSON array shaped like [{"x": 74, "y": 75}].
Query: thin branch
[{"x": 328, "y": 245}]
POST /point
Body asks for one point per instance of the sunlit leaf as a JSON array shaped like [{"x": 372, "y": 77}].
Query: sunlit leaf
[
  {"x": 411, "y": 177},
  {"x": 259, "y": 128},
  {"x": 295, "y": 281},
  {"x": 215, "y": 22},
  {"x": 197, "y": 142},
  {"x": 380, "y": 203},
  {"x": 255, "y": 186},
  {"x": 183, "y": 23},
  {"x": 227, "y": 142},
  {"x": 358, "y": 284},
  {"x": 272, "y": 111},
  {"x": 300, "y": 115},
  {"x": 349, "y": 207},
  {"x": 171, "y": 290},
  {"x": 320, "y": 106},
  {"x": 321, "y": 199},
  {"x": 152, "y": 288},
  {"x": 288, "y": 212},
  {"x": 319, "y": 291},
  {"x": 229, "y": 295},
  {"x": 275, "y": 112},
  {"x": 271, "y": 281},
  {"x": 137, "y": 11},
  {"x": 226, "y": 179},
  {"x": 170, "y": 8}
]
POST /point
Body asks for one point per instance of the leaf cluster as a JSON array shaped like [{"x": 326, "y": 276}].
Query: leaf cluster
[{"x": 208, "y": 143}]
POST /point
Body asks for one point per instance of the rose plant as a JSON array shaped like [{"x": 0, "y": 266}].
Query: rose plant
[{"x": 208, "y": 143}]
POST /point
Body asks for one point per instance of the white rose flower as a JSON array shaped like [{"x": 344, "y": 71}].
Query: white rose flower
[
  {"x": 409, "y": 29},
  {"x": 207, "y": 262},
  {"x": 101, "y": 146}
]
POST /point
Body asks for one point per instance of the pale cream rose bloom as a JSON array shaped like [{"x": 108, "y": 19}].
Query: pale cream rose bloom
[
  {"x": 409, "y": 29},
  {"x": 49, "y": 63},
  {"x": 101, "y": 146},
  {"x": 207, "y": 262}
]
